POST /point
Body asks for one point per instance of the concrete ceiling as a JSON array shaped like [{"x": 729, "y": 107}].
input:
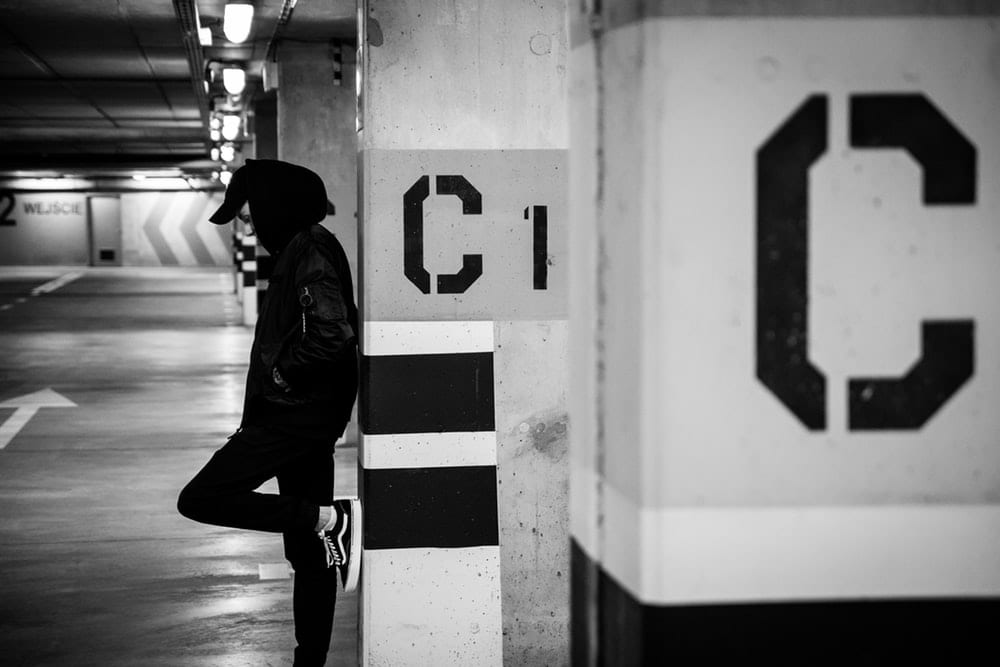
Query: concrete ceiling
[{"x": 109, "y": 86}]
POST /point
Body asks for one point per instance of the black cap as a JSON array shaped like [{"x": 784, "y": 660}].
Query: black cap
[{"x": 237, "y": 193}]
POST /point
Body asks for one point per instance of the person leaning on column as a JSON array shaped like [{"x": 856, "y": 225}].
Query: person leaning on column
[{"x": 300, "y": 391}]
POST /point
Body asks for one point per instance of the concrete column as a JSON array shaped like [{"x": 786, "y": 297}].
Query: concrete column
[
  {"x": 784, "y": 323},
  {"x": 265, "y": 126},
  {"x": 464, "y": 427},
  {"x": 317, "y": 128}
]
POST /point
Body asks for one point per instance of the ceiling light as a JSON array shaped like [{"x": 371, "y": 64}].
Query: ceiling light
[
  {"x": 228, "y": 153},
  {"x": 225, "y": 177},
  {"x": 215, "y": 123},
  {"x": 215, "y": 135},
  {"x": 236, "y": 21},
  {"x": 139, "y": 177},
  {"x": 214, "y": 153},
  {"x": 230, "y": 127},
  {"x": 215, "y": 175},
  {"x": 234, "y": 79},
  {"x": 205, "y": 36}
]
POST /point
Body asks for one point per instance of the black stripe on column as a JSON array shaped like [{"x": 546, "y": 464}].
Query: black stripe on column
[
  {"x": 916, "y": 631},
  {"x": 430, "y": 507},
  {"x": 427, "y": 393}
]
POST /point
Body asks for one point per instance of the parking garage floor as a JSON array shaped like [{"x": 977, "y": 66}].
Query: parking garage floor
[{"x": 116, "y": 385}]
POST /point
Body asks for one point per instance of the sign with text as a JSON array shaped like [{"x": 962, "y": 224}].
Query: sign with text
[
  {"x": 43, "y": 228},
  {"x": 464, "y": 235},
  {"x": 828, "y": 245}
]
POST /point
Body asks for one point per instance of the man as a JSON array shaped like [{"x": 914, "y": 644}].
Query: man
[{"x": 300, "y": 391}]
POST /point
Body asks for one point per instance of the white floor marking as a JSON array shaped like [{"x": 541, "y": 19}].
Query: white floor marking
[
  {"x": 269, "y": 571},
  {"x": 53, "y": 285},
  {"x": 27, "y": 405}
]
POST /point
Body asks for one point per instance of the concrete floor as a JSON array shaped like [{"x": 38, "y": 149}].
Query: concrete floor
[{"x": 97, "y": 566}]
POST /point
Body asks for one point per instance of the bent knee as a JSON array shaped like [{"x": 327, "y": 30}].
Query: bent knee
[{"x": 189, "y": 504}]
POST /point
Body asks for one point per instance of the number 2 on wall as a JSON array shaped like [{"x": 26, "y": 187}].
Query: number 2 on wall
[{"x": 6, "y": 208}]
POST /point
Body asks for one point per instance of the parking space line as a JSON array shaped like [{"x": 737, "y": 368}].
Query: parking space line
[{"x": 53, "y": 285}]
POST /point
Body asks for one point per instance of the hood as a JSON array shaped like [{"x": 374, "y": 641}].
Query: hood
[{"x": 284, "y": 199}]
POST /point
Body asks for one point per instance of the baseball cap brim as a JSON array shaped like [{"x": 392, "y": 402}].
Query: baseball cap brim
[{"x": 236, "y": 195}]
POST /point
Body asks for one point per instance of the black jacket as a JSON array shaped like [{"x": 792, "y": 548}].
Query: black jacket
[{"x": 308, "y": 321}]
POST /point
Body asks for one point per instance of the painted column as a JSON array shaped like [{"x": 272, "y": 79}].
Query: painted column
[
  {"x": 248, "y": 266},
  {"x": 785, "y": 365},
  {"x": 463, "y": 414}
]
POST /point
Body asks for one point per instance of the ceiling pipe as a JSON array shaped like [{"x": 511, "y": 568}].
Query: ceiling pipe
[{"x": 187, "y": 18}]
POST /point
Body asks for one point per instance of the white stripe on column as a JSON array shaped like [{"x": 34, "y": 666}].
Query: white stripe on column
[
  {"x": 759, "y": 554},
  {"x": 430, "y": 450},
  {"x": 808, "y": 553},
  {"x": 395, "y": 338},
  {"x": 411, "y": 615}
]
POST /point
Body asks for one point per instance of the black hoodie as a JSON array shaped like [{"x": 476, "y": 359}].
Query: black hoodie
[{"x": 303, "y": 374}]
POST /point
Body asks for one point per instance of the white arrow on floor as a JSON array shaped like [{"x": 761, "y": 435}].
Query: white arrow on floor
[{"x": 27, "y": 406}]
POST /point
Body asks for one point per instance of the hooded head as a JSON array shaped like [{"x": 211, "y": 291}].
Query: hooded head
[{"x": 284, "y": 199}]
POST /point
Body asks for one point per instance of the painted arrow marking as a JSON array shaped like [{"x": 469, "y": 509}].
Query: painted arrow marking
[{"x": 26, "y": 407}]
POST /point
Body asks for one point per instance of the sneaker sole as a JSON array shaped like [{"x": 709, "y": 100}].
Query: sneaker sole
[{"x": 354, "y": 558}]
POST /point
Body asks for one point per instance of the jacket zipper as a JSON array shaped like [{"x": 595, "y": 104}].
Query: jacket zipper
[{"x": 305, "y": 300}]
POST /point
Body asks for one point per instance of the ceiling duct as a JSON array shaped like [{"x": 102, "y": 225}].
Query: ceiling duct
[
  {"x": 287, "y": 6},
  {"x": 187, "y": 18}
]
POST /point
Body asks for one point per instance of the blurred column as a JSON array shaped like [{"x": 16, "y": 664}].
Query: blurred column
[
  {"x": 784, "y": 355},
  {"x": 249, "y": 267},
  {"x": 463, "y": 415}
]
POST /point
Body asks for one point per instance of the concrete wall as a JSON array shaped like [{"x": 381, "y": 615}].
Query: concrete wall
[
  {"x": 157, "y": 228},
  {"x": 464, "y": 212},
  {"x": 783, "y": 351},
  {"x": 172, "y": 229},
  {"x": 43, "y": 228}
]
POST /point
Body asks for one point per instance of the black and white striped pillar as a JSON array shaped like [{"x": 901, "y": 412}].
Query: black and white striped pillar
[
  {"x": 429, "y": 490},
  {"x": 238, "y": 265},
  {"x": 248, "y": 267}
]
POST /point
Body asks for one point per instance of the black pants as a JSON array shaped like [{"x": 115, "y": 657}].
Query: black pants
[{"x": 223, "y": 494}]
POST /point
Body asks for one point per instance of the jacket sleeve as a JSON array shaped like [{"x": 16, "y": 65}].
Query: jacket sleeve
[{"x": 325, "y": 335}]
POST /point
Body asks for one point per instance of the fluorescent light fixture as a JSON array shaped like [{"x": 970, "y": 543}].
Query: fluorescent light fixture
[
  {"x": 205, "y": 36},
  {"x": 215, "y": 135},
  {"x": 236, "y": 21},
  {"x": 139, "y": 177},
  {"x": 214, "y": 153},
  {"x": 50, "y": 183},
  {"x": 230, "y": 127},
  {"x": 234, "y": 79},
  {"x": 225, "y": 177}
]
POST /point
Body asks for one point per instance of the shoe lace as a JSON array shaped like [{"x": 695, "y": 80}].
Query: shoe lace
[{"x": 333, "y": 556}]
